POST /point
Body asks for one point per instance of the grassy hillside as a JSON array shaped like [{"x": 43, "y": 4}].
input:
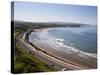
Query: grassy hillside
[{"x": 25, "y": 62}]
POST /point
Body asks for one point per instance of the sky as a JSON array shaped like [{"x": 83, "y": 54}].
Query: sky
[{"x": 48, "y": 12}]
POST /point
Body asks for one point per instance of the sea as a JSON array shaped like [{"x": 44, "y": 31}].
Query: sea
[{"x": 69, "y": 39}]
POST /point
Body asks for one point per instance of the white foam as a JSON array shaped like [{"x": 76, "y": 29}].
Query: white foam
[
  {"x": 60, "y": 40},
  {"x": 58, "y": 44},
  {"x": 84, "y": 54}
]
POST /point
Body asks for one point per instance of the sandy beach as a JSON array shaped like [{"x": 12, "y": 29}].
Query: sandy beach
[{"x": 72, "y": 58}]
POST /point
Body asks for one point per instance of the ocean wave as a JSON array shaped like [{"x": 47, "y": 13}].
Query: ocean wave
[{"x": 58, "y": 44}]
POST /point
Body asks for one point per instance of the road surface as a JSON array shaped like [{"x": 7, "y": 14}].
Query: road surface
[{"x": 50, "y": 60}]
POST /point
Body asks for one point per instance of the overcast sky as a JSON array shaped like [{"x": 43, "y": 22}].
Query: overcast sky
[{"x": 46, "y": 12}]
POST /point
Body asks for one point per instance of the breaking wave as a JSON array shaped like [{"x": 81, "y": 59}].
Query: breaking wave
[{"x": 58, "y": 44}]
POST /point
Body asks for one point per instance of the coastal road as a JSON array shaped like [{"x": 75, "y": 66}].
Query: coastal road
[{"x": 50, "y": 60}]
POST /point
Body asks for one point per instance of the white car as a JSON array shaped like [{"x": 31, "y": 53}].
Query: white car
[{"x": 64, "y": 69}]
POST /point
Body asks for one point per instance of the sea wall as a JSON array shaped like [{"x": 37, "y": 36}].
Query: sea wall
[{"x": 27, "y": 35}]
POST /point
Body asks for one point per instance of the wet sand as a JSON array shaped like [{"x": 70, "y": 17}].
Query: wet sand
[{"x": 73, "y": 58}]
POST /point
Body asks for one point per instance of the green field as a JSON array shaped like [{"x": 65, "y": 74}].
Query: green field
[{"x": 25, "y": 62}]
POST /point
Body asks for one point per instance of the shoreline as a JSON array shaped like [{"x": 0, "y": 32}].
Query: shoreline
[
  {"x": 73, "y": 49},
  {"x": 62, "y": 56}
]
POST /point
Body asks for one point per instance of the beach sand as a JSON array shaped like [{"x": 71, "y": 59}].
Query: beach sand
[{"x": 73, "y": 58}]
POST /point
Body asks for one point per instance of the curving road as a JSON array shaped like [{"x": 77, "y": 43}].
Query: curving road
[{"x": 48, "y": 59}]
